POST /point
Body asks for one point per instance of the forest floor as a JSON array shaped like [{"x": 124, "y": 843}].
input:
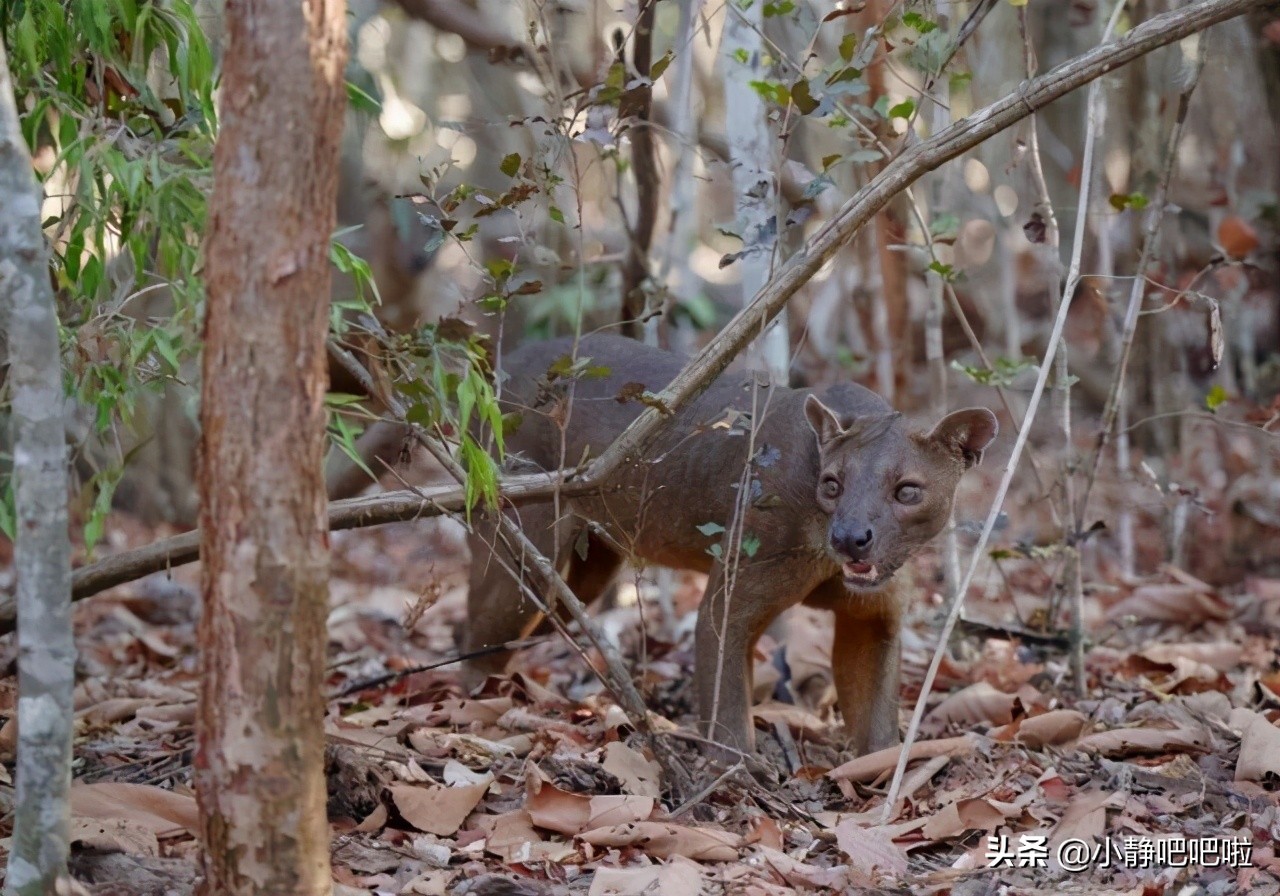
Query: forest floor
[{"x": 1161, "y": 779}]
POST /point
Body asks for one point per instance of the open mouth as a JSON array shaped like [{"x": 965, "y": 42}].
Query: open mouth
[{"x": 861, "y": 573}]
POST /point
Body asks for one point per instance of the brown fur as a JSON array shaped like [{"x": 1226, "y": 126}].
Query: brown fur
[{"x": 802, "y": 533}]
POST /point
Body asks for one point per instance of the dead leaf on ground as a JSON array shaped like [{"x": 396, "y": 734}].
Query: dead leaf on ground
[
  {"x": 871, "y": 766},
  {"x": 114, "y": 835},
  {"x": 1129, "y": 741},
  {"x": 639, "y": 776},
  {"x": 796, "y": 718},
  {"x": 556, "y": 809},
  {"x": 679, "y": 877},
  {"x": 1187, "y": 604},
  {"x": 436, "y": 808},
  {"x": 163, "y": 812},
  {"x": 1086, "y": 816},
  {"x": 512, "y": 837},
  {"x": 871, "y": 851},
  {"x": 979, "y": 702},
  {"x": 665, "y": 840},
  {"x": 973, "y": 814},
  {"x": 1053, "y": 728},
  {"x": 1259, "y": 745},
  {"x": 802, "y": 874}
]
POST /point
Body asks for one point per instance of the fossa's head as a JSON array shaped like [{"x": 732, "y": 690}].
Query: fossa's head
[{"x": 887, "y": 490}]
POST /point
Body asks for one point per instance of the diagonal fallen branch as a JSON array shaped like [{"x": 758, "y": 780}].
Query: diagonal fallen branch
[{"x": 900, "y": 173}]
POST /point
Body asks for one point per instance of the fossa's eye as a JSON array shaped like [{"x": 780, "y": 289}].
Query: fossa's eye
[
  {"x": 909, "y": 493},
  {"x": 831, "y": 487}
]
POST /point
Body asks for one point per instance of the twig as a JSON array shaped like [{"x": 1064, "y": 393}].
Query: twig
[
  {"x": 379, "y": 680},
  {"x": 708, "y": 790}
]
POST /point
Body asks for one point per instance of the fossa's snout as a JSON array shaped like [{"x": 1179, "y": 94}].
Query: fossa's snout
[{"x": 852, "y": 539}]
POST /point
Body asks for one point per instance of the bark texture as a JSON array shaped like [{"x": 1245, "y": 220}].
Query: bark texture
[
  {"x": 264, "y": 538},
  {"x": 753, "y": 160},
  {"x": 42, "y": 549}
]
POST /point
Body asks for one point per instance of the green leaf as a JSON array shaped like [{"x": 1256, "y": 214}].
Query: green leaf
[
  {"x": 903, "y": 109},
  {"x": 361, "y": 101},
  {"x": 918, "y": 22},
  {"x": 1215, "y": 399},
  {"x": 780, "y": 8},
  {"x": 710, "y": 529},
  {"x": 803, "y": 99},
  {"x": 510, "y": 165},
  {"x": 1003, "y": 371},
  {"x": 660, "y": 65},
  {"x": 1125, "y": 201},
  {"x": 772, "y": 91},
  {"x": 741, "y": 55},
  {"x": 556, "y": 214},
  {"x": 945, "y": 271},
  {"x": 750, "y": 544},
  {"x": 848, "y": 46}
]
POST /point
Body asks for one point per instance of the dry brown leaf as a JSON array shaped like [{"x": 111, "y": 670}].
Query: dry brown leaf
[
  {"x": 1180, "y": 602},
  {"x": 559, "y": 810},
  {"x": 163, "y": 812},
  {"x": 679, "y": 877},
  {"x": 666, "y": 840},
  {"x": 1053, "y": 728},
  {"x": 1086, "y": 816},
  {"x": 114, "y": 709},
  {"x": 1223, "y": 656},
  {"x": 1128, "y": 741},
  {"x": 765, "y": 831},
  {"x": 871, "y": 851},
  {"x": 871, "y": 766},
  {"x": 115, "y": 835},
  {"x": 801, "y": 874},
  {"x": 436, "y": 882},
  {"x": 796, "y": 718},
  {"x": 374, "y": 821},
  {"x": 460, "y": 712},
  {"x": 974, "y": 814},
  {"x": 436, "y": 808},
  {"x": 512, "y": 838},
  {"x": 639, "y": 776},
  {"x": 979, "y": 702},
  {"x": 1259, "y": 745}
]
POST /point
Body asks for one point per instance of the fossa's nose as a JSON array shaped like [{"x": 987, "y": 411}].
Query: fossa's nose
[{"x": 852, "y": 540}]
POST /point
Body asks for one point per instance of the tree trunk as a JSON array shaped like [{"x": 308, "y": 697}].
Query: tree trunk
[
  {"x": 42, "y": 549},
  {"x": 260, "y": 744},
  {"x": 754, "y": 161}
]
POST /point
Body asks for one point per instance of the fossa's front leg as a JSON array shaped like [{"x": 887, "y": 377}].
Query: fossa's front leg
[
  {"x": 729, "y": 624},
  {"x": 865, "y": 656}
]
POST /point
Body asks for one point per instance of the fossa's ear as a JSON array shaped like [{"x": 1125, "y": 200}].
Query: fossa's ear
[
  {"x": 831, "y": 428},
  {"x": 824, "y": 422},
  {"x": 966, "y": 433}
]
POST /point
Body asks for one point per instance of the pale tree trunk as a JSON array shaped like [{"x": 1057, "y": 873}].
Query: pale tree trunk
[
  {"x": 260, "y": 742},
  {"x": 676, "y": 263},
  {"x": 752, "y": 158},
  {"x": 42, "y": 550}
]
